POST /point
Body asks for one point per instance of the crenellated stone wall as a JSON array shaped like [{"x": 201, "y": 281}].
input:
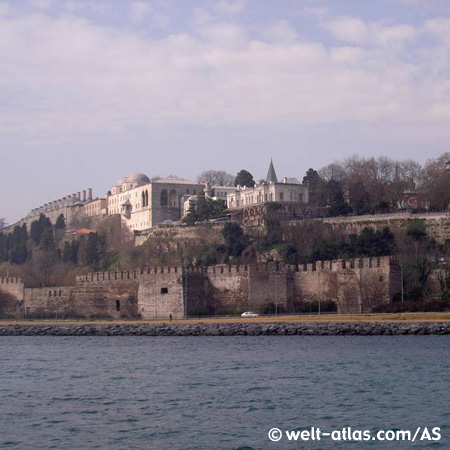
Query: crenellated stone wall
[
  {"x": 154, "y": 293},
  {"x": 161, "y": 293},
  {"x": 13, "y": 286},
  {"x": 355, "y": 286}
]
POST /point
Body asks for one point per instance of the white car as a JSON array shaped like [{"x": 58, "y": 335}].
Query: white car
[{"x": 249, "y": 314}]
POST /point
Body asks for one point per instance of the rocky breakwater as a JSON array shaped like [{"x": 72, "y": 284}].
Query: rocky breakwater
[{"x": 229, "y": 329}]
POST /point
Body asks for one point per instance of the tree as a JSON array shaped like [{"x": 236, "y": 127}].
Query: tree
[
  {"x": 370, "y": 243},
  {"x": 2, "y": 223},
  {"x": 70, "y": 252},
  {"x": 60, "y": 222},
  {"x": 8, "y": 305},
  {"x": 41, "y": 228},
  {"x": 92, "y": 251},
  {"x": 244, "y": 178},
  {"x": 235, "y": 240},
  {"x": 417, "y": 254},
  {"x": 216, "y": 178},
  {"x": 316, "y": 188},
  {"x": 205, "y": 209},
  {"x": 373, "y": 184},
  {"x": 436, "y": 186},
  {"x": 18, "y": 252},
  {"x": 339, "y": 207}
]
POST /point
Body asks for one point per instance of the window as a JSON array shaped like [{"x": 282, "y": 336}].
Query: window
[
  {"x": 49, "y": 293},
  {"x": 281, "y": 196},
  {"x": 164, "y": 290},
  {"x": 117, "y": 305},
  {"x": 173, "y": 198},
  {"x": 164, "y": 198}
]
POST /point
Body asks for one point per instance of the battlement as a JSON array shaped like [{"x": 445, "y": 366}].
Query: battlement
[
  {"x": 353, "y": 264},
  {"x": 272, "y": 267},
  {"x": 124, "y": 275},
  {"x": 11, "y": 280}
]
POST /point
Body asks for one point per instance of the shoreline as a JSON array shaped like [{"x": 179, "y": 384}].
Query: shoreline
[
  {"x": 432, "y": 317},
  {"x": 229, "y": 329}
]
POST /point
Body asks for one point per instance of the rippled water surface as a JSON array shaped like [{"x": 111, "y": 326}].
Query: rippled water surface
[{"x": 218, "y": 392}]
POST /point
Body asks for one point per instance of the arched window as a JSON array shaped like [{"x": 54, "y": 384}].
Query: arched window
[
  {"x": 164, "y": 198},
  {"x": 143, "y": 199},
  {"x": 173, "y": 198}
]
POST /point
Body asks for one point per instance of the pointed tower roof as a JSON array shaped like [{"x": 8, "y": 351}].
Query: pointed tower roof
[{"x": 271, "y": 175}]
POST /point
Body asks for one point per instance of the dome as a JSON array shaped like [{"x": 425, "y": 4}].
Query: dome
[
  {"x": 121, "y": 181},
  {"x": 138, "y": 178}
]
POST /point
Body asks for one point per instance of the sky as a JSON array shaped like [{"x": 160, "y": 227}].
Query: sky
[{"x": 92, "y": 90}]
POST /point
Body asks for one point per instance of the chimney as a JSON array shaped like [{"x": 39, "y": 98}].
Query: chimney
[
  {"x": 285, "y": 180},
  {"x": 83, "y": 196},
  {"x": 79, "y": 195},
  {"x": 89, "y": 194}
]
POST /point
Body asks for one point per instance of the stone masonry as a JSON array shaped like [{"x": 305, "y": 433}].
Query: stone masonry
[{"x": 155, "y": 293}]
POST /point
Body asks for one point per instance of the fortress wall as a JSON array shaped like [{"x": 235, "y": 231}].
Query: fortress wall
[
  {"x": 47, "y": 302},
  {"x": 10, "y": 304},
  {"x": 271, "y": 285},
  {"x": 151, "y": 293},
  {"x": 438, "y": 224},
  {"x": 160, "y": 294},
  {"x": 112, "y": 277},
  {"x": 13, "y": 286},
  {"x": 355, "y": 286},
  {"x": 227, "y": 288},
  {"x": 115, "y": 301}
]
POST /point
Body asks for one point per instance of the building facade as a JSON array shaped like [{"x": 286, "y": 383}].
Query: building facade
[
  {"x": 143, "y": 203},
  {"x": 268, "y": 192},
  {"x": 252, "y": 203}
]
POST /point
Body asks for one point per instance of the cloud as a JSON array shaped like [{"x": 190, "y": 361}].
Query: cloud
[
  {"x": 5, "y": 9},
  {"x": 230, "y": 7},
  {"x": 439, "y": 28},
  {"x": 317, "y": 12},
  {"x": 281, "y": 31},
  {"x": 66, "y": 76},
  {"x": 42, "y": 4},
  {"x": 436, "y": 6},
  {"x": 355, "y": 30},
  {"x": 139, "y": 10}
]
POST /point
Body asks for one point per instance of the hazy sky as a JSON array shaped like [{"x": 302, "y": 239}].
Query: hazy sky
[{"x": 92, "y": 90}]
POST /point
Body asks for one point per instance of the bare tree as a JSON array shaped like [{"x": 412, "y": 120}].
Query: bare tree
[
  {"x": 343, "y": 290},
  {"x": 436, "y": 186},
  {"x": 374, "y": 184},
  {"x": 372, "y": 289},
  {"x": 216, "y": 178}
]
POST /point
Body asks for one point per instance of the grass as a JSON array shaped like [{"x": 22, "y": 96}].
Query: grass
[{"x": 403, "y": 317}]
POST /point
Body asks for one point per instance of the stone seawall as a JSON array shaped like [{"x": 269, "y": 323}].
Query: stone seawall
[{"x": 230, "y": 329}]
